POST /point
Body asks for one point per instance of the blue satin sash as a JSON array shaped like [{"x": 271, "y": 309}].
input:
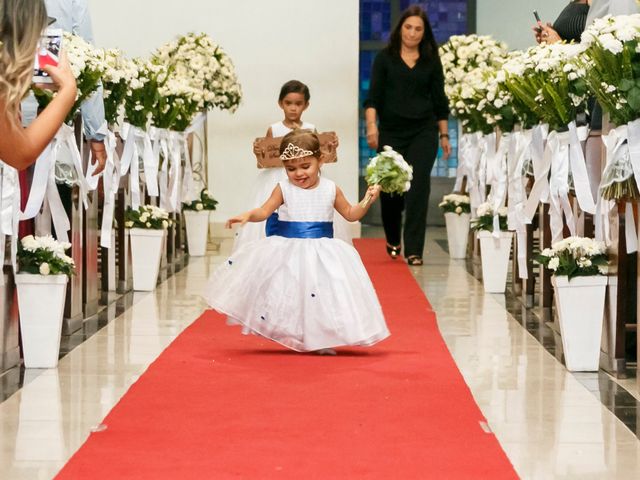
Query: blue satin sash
[
  {"x": 271, "y": 227},
  {"x": 304, "y": 229}
]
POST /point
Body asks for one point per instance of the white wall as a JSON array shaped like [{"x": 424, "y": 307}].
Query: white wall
[
  {"x": 511, "y": 20},
  {"x": 270, "y": 42}
]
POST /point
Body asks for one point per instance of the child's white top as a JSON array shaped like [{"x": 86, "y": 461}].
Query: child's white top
[
  {"x": 308, "y": 204},
  {"x": 280, "y": 129}
]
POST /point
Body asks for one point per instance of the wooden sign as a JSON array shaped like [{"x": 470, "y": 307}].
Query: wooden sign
[{"x": 269, "y": 148}]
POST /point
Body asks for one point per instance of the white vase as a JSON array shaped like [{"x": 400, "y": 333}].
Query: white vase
[
  {"x": 197, "y": 224},
  {"x": 457, "y": 233},
  {"x": 41, "y": 305},
  {"x": 495, "y": 260},
  {"x": 146, "y": 252},
  {"x": 580, "y": 304}
]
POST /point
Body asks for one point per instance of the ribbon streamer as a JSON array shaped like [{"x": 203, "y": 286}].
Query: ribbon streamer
[
  {"x": 558, "y": 148},
  {"x": 111, "y": 181},
  {"x": 579, "y": 173}
]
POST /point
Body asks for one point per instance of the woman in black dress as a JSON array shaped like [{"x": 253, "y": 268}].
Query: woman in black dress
[{"x": 407, "y": 109}]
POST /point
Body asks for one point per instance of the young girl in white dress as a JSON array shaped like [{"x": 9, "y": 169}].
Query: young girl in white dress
[
  {"x": 301, "y": 287},
  {"x": 293, "y": 100}
]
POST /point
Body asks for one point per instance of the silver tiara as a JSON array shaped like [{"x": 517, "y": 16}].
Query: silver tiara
[{"x": 293, "y": 151}]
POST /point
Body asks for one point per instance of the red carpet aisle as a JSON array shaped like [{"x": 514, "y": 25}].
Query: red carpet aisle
[{"x": 219, "y": 405}]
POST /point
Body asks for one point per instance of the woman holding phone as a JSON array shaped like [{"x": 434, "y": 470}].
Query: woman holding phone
[
  {"x": 568, "y": 26},
  {"x": 22, "y": 22}
]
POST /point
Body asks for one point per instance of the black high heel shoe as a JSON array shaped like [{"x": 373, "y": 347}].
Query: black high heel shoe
[{"x": 394, "y": 252}]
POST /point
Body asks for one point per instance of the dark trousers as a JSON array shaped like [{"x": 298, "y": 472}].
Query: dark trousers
[{"x": 419, "y": 148}]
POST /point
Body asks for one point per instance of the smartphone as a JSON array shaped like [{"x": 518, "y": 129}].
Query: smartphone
[
  {"x": 48, "y": 53},
  {"x": 538, "y": 21}
]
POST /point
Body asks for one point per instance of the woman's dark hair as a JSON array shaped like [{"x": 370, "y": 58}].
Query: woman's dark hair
[
  {"x": 428, "y": 46},
  {"x": 294, "y": 86}
]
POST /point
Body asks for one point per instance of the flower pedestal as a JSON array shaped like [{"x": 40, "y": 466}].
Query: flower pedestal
[
  {"x": 457, "y": 233},
  {"x": 580, "y": 304},
  {"x": 495, "y": 260},
  {"x": 41, "y": 304},
  {"x": 146, "y": 252},
  {"x": 197, "y": 225}
]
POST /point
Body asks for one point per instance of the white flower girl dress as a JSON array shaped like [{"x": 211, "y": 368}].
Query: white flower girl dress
[{"x": 301, "y": 287}]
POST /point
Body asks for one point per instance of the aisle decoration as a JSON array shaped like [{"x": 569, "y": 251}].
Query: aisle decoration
[
  {"x": 44, "y": 270},
  {"x": 579, "y": 267},
  {"x": 457, "y": 214},
  {"x": 196, "y": 215},
  {"x": 147, "y": 228},
  {"x": 495, "y": 246},
  {"x": 391, "y": 171}
]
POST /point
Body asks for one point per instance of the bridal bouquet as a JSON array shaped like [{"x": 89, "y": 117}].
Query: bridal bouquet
[
  {"x": 455, "y": 203},
  {"x": 551, "y": 83},
  {"x": 391, "y": 171},
  {"x": 575, "y": 257},
  {"x": 147, "y": 216},
  {"x": 203, "y": 64},
  {"x": 44, "y": 256},
  {"x": 484, "y": 220},
  {"x": 87, "y": 66},
  {"x": 117, "y": 78}
]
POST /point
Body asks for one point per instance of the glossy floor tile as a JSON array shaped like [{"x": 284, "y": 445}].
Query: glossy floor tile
[{"x": 551, "y": 424}]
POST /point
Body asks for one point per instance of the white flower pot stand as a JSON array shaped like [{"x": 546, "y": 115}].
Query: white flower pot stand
[
  {"x": 146, "y": 252},
  {"x": 197, "y": 226},
  {"x": 580, "y": 304},
  {"x": 41, "y": 306},
  {"x": 494, "y": 252},
  {"x": 457, "y": 234}
]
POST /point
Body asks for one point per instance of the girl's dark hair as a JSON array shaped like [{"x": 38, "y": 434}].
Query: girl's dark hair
[
  {"x": 428, "y": 46},
  {"x": 294, "y": 86},
  {"x": 305, "y": 139}
]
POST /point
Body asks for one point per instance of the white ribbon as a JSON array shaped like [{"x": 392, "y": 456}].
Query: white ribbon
[
  {"x": 472, "y": 159},
  {"x": 465, "y": 161},
  {"x": 519, "y": 153},
  {"x": 579, "y": 173},
  {"x": 111, "y": 181},
  {"x": 558, "y": 151},
  {"x": 66, "y": 138},
  {"x": 9, "y": 213},
  {"x": 541, "y": 165},
  {"x": 138, "y": 145},
  {"x": 160, "y": 141},
  {"x": 189, "y": 193}
]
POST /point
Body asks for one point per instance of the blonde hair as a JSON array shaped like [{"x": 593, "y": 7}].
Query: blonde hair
[
  {"x": 21, "y": 25},
  {"x": 305, "y": 139}
]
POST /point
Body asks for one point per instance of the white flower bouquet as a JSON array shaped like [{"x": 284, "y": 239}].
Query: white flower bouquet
[
  {"x": 575, "y": 257},
  {"x": 205, "y": 66},
  {"x": 142, "y": 97},
  {"x": 455, "y": 203},
  {"x": 550, "y": 81},
  {"x": 177, "y": 100},
  {"x": 87, "y": 64},
  {"x": 485, "y": 215},
  {"x": 147, "y": 216},
  {"x": 391, "y": 171},
  {"x": 468, "y": 99},
  {"x": 508, "y": 78},
  {"x": 205, "y": 202},
  {"x": 612, "y": 61},
  {"x": 44, "y": 256},
  {"x": 117, "y": 78}
]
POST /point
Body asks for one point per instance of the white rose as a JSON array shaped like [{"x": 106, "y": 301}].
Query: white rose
[
  {"x": 148, "y": 225},
  {"x": 44, "y": 269},
  {"x": 459, "y": 210},
  {"x": 165, "y": 224},
  {"x": 199, "y": 206},
  {"x": 554, "y": 263},
  {"x": 128, "y": 224}
]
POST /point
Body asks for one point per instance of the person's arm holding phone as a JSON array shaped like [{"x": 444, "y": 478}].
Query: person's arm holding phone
[
  {"x": 544, "y": 33},
  {"x": 21, "y": 147}
]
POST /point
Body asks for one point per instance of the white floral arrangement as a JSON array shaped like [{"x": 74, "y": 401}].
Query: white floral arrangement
[
  {"x": 485, "y": 216},
  {"x": 204, "y": 202},
  {"x": 87, "y": 65},
  {"x": 142, "y": 95},
  {"x": 455, "y": 203},
  {"x": 575, "y": 257},
  {"x": 118, "y": 76},
  {"x": 551, "y": 81},
  {"x": 44, "y": 256},
  {"x": 205, "y": 66},
  {"x": 147, "y": 216},
  {"x": 468, "y": 100}
]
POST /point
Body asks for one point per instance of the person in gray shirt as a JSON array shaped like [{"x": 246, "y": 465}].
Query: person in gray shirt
[
  {"x": 600, "y": 8},
  {"x": 73, "y": 16}
]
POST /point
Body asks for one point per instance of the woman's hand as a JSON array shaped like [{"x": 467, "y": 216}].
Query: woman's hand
[
  {"x": 546, "y": 34},
  {"x": 62, "y": 76},
  {"x": 446, "y": 147},
  {"x": 241, "y": 219},
  {"x": 372, "y": 136}
]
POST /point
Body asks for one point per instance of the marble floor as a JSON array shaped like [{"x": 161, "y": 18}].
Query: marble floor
[{"x": 551, "y": 423}]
